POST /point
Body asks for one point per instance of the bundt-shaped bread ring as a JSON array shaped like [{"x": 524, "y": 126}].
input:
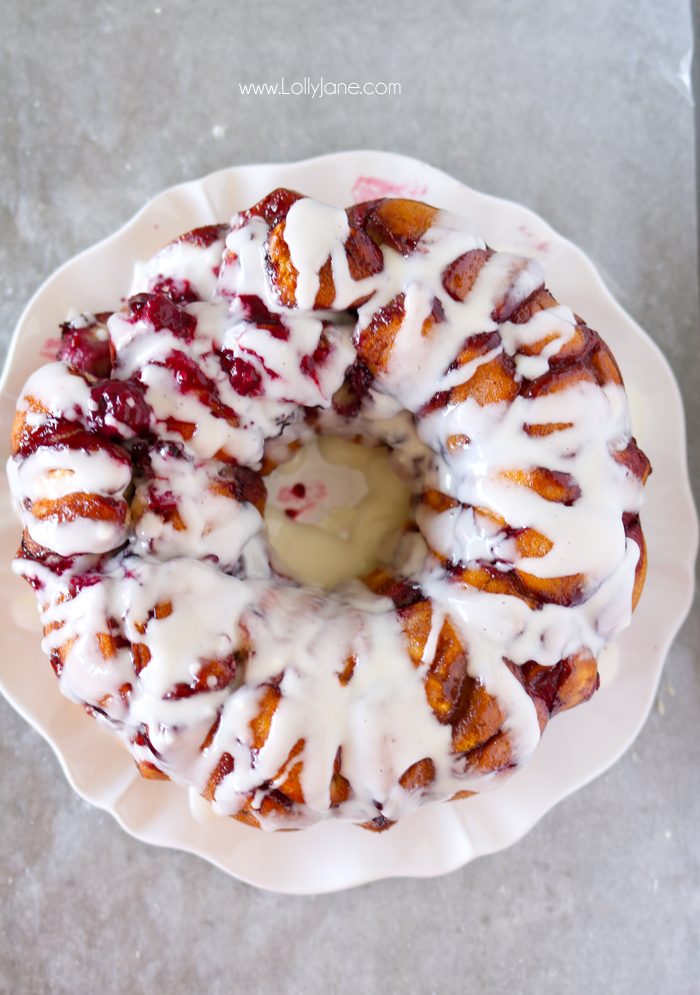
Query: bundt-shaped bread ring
[{"x": 139, "y": 464}]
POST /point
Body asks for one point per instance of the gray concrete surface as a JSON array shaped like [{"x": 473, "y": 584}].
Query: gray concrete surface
[{"x": 580, "y": 111}]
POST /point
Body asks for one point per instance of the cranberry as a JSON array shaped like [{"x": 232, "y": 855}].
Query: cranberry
[
  {"x": 544, "y": 682},
  {"x": 405, "y": 593},
  {"x": 80, "y": 581},
  {"x": 317, "y": 358},
  {"x": 31, "y": 550},
  {"x": 123, "y": 402},
  {"x": 360, "y": 378},
  {"x": 142, "y": 738},
  {"x": 259, "y": 314},
  {"x": 85, "y": 349},
  {"x": 142, "y": 449},
  {"x": 244, "y": 378},
  {"x": 205, "y": 236},
  {"x": 273, "y": 208},
  {"x": 308, "y": 367},
  {"x": 358, "y": 381},
  {"x": 162, "y": 503},
  {"x": 188, "y": 376},
  {"x": 299, "y": 490},
  {"x": 163, "y": 314},
  {"x": 192, "y": 380},
  {"x": 179, "y": 291}
]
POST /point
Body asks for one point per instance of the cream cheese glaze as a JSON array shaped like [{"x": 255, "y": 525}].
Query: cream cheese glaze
[
  {"x": 225, "y": 675},
  {"x": 334, "y": 511}
]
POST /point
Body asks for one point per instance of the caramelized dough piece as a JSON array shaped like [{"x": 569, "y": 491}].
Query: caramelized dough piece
[
  {"x": 376, "y": 341},
  {"x": 273, "y": 208},
  {"x": 539, "y": 301},
  {"x": 487, "y": 578},
  {"x": 247, "y": 818},
  {"x": 495, "y": 755},
  {"x": 363, "y": 257},
  {"x": 437, "y": 501},
  {"x": 531, "y": 543},
  {"x": 340, "y": 786},
  {"x": 565, "y": 591},
  {"x": 480, "y": 721},
  {"x": 492, "y": 383},
  {"x": 243, "y": 485},
  {"x": 399, "y": 224},
  {"x": 552, "y": 485},
  {"x": 150, "y": 771},
  {"x": 260, "y": 724},
  {"x": 633, "y": 530},
  {"x": 460, "y": 276},
  {"x": 81, "y": 505},
  {"x": 635, "y": 460},
  {"x": 401, "y": 591},
  {"x": 568, "y": 683},
  {"x": 419, "y": 775},
  {"x": 291, "y": 785},
  {"x": 476, "y": 346},
  {"x": 604, "y": 365},
  {"x": 378, "y": 825},
  {"x": 395, "y": 222},
  {"x": 416, "y": 621},
  {"x": 223, "y": 767},
  {"x": 448, "y": 685}
]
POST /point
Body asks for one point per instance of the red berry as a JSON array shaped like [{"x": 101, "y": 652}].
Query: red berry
[
  {"x": 85, "y": 348},
  {"x": 274, "y": 207},
  {"x": 163, "y": 313},
  {"x": 244, "y": 378},
  {"x": 188, "y": 376},
  {"x": 121, "y": 402},
  {"x": 318, "y": 357},
  {"x": 179, "y": 291},
  {"x": 205, "y": 236},
  {"x": 259, "y": 314}
]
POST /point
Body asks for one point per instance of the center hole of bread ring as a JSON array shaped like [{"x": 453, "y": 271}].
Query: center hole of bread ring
[{"x": 335, "y": 510}]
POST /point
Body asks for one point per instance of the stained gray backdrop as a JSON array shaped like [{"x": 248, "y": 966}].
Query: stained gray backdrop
[{"x": 583, "y": 112}]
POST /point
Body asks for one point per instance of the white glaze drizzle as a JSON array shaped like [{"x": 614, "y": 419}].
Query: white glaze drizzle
[
  {"x": 184, "y": 263},
  {"x": 210, "y": 522},
  {"x": 50, "y": 473}
]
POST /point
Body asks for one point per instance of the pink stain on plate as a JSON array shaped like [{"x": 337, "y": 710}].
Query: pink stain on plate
[
  {"x": 50, "y": 348},
  {"x": 541, "y": 246},
  {"x": 373, "y": 187}
]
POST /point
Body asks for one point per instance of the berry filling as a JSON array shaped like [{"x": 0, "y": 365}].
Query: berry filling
[
  {"x": 244, "y": 378},
  {"x": 86, "y": 348},
  {"x": 205, "y": 236},
  {"x": 120, "y": 404},
  {"x": 163, "y": 314},
  {"x": 258, "y": 314},
  {"x": 179, "y": 291}
]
